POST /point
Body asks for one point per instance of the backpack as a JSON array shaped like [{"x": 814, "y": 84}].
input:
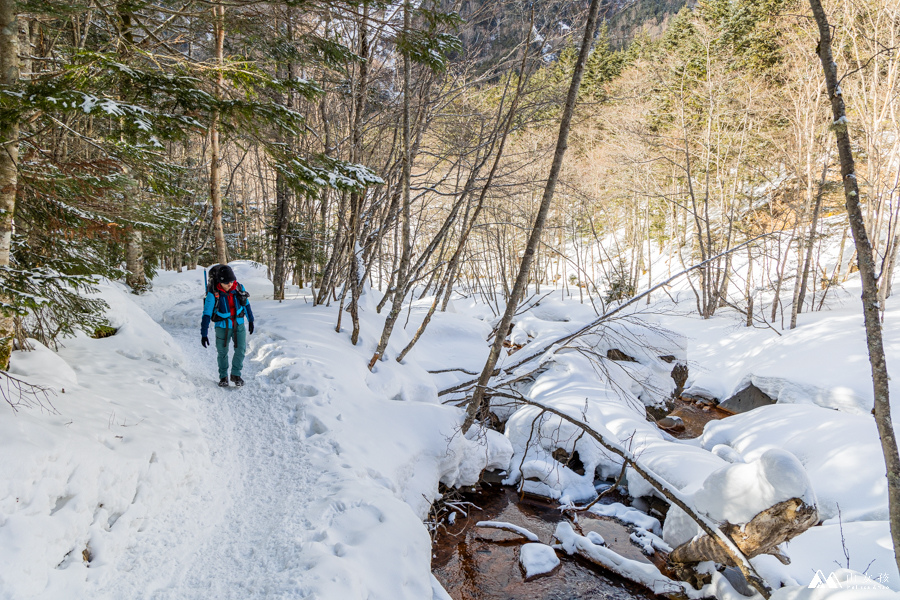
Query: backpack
[
  {"x": 213, "y": 279},
  {"x": 242, "y": 296}
]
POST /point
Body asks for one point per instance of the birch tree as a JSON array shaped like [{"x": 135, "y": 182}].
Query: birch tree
[{"x": 9, "y": 158}]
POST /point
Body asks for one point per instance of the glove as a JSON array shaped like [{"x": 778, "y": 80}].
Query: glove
[
  {"x": 250, "y": 329},
  {"x": 204, "y": 341}
]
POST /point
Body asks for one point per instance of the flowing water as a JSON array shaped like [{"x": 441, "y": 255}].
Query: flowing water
[
  {"x": 695, "y": 417},
  {"x": 474, "y": 563}
]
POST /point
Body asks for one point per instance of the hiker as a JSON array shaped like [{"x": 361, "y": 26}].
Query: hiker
[{"x": 228, "y": 306}]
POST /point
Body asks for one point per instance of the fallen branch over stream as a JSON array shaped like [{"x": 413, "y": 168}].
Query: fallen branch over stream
[{"x": 531, "y": 537}]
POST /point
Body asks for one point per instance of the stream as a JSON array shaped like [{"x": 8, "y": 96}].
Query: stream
[{"x": 474, "y": 563}]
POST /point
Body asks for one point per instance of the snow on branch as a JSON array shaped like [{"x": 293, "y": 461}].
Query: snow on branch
[{"x": 509, "y": 527}]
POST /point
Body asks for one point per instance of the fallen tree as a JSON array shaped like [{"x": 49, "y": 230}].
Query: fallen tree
[{"x": 762, "y": 535}]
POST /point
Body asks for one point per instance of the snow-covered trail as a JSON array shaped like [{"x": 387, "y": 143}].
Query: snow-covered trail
[
  {"x": 240, "y": 536},
  {"x": 311, "y": 482},
  {"x": 266, "y": 480}
]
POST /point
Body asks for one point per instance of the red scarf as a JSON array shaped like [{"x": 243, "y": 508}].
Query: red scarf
[{"x": 229, "y": 297}]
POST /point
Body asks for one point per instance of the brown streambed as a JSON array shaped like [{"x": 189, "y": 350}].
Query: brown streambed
[{"x": 475, "y": 563}]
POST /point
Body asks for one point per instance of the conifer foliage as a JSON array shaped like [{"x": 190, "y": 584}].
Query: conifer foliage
[{"x": 101, "y": 123}]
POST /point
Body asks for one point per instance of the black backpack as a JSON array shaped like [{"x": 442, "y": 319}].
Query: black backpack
[{"x": 213, "y": 279}]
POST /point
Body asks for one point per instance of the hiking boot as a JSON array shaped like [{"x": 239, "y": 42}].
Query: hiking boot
[
  {"x": 223, "y": 382},
  {"x": 237, "y": 380}
]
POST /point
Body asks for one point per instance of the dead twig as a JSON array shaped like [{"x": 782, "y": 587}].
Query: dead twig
[{"x": 21, "y": 394}]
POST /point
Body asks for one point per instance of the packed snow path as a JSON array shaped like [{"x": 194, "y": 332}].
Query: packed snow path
[{"x": 253, "y": 505}]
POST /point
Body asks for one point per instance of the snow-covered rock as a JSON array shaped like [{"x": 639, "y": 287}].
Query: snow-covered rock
[
  {"x": 740, "y": 491},
  {"x": 840, "y": 453},
  {"x": 537, "y": 559}
]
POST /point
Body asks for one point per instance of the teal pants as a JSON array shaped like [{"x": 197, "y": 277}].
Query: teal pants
[{"x": 224, "y": 337}]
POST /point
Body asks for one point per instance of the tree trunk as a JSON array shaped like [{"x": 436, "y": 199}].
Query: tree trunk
[
  {"x": 215, "y": 190},
  {"x": 748, "y": 289},
  {"x": 446, "y": 286},
  {"x": 762, "y": 535},
  {"x": 329, "y": 273},
  {"x": 866, "y": 263},
  {"x": 356, "y": 198},
  {"x": 178, "y": 262},
  {"x": 807, "y": 263},
  {"x": 536, "y": 231},
  {"x": 405, "y": 250},
  {"x": 884, "y": 290},
  {"x": 134, "y": 247},
  {"x": 796, "y": 295},
  {"x": 9, "y": 160},
  {"x": 282, "y": 218},
  {"x": 134, "y": 261}
]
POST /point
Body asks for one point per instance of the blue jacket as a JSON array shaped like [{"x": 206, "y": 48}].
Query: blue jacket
[{"x": 220, "y": 307}]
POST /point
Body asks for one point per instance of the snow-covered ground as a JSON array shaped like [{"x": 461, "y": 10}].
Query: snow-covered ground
[
  {"x": 314, "y": 480},
  {"x": 830, "y": 453},
  {"x": 310, "y": 482}
]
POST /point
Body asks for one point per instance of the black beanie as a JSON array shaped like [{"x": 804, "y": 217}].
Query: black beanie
[{"x": 226, "y": 275}]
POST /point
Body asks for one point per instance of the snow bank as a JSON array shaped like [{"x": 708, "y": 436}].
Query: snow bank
[
  {"x": 129, "y": 477},
  {"x": 608, "y": 402},
  {"x": 842, "y": 584},
  {"x": 45, "y": 365},
  {"x": 822, "y": 548},
  {"x": 840, "y": 452},
  {"x": 738, "y": 492},
  {"x": 78, "y": 487},
  {"x": 823, "y": 361}
]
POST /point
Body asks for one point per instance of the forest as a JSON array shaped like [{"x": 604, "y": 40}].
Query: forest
[
  {"x": 398, "y": 146},
  {"x": 390, "y": 162}
]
